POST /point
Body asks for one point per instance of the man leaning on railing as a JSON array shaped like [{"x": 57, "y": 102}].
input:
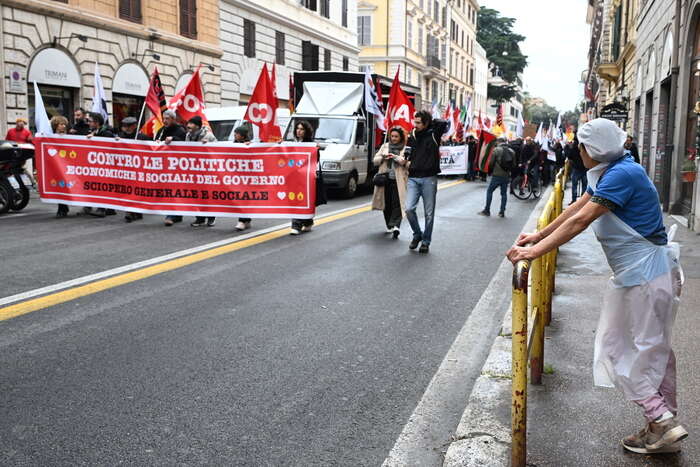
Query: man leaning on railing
[{"x": 632, "y": 348}]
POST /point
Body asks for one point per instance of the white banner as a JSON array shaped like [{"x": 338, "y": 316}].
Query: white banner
[{"x": 454, "y": 160}]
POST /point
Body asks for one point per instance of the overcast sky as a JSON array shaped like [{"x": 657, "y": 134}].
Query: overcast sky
[{"x": 556, "y": 46}]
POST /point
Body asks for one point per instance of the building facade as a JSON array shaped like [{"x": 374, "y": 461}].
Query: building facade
[
  {"x": 432, "y": 41},
  {"x": 307, "y": 35},
  {"x": 57, "y": 43},
  {"x": 481, "y": 80}
]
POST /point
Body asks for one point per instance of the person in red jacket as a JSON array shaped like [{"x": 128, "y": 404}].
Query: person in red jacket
[{"x": 20, "y": 133}]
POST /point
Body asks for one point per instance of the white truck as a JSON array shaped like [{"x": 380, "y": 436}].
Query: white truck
[
  {"x": 224, "y": 120},
  {"x": 333, "y": 103}
]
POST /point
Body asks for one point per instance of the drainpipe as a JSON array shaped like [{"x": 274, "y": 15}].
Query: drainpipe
[
  {"x": 673, "y": 104},
  {"x": 388, "y": 36}
]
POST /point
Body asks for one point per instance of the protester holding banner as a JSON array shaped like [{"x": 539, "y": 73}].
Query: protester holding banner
[
  {"x": 59, "y": 126},
  {"x": 391, "y": 197},
  {"x": 197, "y": 132},
  {"x": 129, "y": 130},
  {"x": 424, "y": 165},
  {"x": 471, "y": 164},
  {"x": 243, "y": 134},
  {"x": 99, "y": 128},
  {"x": 304, "y": 133},
  {"x": 169, "y": 132},
  {"x": 80, "y": 125}
]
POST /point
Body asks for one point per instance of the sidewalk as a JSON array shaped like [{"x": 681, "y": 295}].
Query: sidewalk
[{"x": 571, "y": 422}]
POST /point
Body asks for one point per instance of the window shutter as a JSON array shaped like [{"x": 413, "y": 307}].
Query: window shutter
[{"x": 188, "y": 18}]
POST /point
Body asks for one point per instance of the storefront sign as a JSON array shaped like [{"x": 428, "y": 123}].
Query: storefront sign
[
  {"x": 130, "y": 79},
  {"x": 260, "y": 180},
  {"x": 453, "y": 160},
  {"x": 54, "y": 67},
  {"x": 615, "y": 111},
  {"x": 17, "y": 83}
]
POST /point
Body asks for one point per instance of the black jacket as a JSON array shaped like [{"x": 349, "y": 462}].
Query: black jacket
[
  {"x": 425, "y": 154},
  {"x": 177, "y": 132},
  {"x": 529, "y": 152},
  {"x": 80, "y": 127},
  {"x": 572, "y": 153},
  {"x": 105, "y": 131},
  {"x": 140, "y": 136},
  {"x": 635, "y": 152}
]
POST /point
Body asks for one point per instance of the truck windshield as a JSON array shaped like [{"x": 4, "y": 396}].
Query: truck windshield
[{"x": 328, "y": 130}]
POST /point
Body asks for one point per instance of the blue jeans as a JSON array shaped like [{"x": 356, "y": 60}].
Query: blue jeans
[
  {"x": 578, "y": 176},
  {"x": 495, "y": 183},
  {"x": 425, "y": 187}
]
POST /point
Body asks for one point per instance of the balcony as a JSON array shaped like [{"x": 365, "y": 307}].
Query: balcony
[
  {"x": 609, "y": 71},
  {"x": 433, "y": 61}
]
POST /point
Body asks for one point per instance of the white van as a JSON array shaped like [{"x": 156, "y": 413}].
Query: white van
[{"x": 224, "y": 120}]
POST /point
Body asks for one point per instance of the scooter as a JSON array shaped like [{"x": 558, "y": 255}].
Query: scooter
[{"x": 14, "y": 179}]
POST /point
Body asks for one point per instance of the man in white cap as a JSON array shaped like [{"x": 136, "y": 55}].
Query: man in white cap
[{"x": 632, "y": 347}]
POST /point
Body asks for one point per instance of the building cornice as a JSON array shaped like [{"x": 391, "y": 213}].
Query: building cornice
[
  {"x": 250, "y": 6},
  {"x": 81, "y": 16}
]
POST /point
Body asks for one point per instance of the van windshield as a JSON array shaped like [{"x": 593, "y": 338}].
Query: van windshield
[
  {"x": 223, "y": 129},
  {"x": 328, "y": 130}
]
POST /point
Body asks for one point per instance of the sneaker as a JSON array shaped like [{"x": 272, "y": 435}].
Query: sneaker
[
  {"x": 99, "y": 212},
  {"x": 501, "y": 214},
  {"x": 198, "y": 224},
  {"x": 661, "y": 435},
  {"x": 132, "y": 216},
  {"x": 211, "y": 222},
  {"x": 396, "y": 232},
  {"x": 241, "y": 226},
  {"x": 389, "y": 230},
  {"x": 636, "y": 443},
  {"x": 294, "y": 232},
  {"x": 414, "y": 243},
  {"x": 306, "y": 228},
  {"x": 484, "y": 213},
  {"x": 423, "y": 248},
  {"x": 168, "y": 222}
]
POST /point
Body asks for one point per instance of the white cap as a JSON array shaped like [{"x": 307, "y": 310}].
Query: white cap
[{"x": 604, "y": 141}]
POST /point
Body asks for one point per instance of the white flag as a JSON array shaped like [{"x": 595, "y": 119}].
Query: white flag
[
  {"x": 372, "y": 104},
  {"x": 539, "y": 136},
  {"x": 520, "y": 128},
  {"x": 99, "y": 101},
  {"x": 41, "y": 120}
]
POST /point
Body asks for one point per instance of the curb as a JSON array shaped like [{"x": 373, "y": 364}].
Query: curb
[{"x": 483, "y": 436}]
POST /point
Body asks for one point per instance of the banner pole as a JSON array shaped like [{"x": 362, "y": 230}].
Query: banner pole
[{"x": 138, "y": 127}]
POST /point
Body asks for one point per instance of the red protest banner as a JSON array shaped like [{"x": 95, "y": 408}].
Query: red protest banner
[{"x": 259, "y": 180}]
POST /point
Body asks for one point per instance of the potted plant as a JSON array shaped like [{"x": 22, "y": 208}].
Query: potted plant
[{"x": 689, "y": 170}]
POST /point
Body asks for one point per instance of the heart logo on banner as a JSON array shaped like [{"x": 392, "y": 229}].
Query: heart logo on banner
[
  {"x": 281, "y": 195},
  {"x": 52, "y": 152}
]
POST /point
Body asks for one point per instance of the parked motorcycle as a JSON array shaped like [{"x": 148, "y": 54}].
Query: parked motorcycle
[{"x": 14, "y": 179}]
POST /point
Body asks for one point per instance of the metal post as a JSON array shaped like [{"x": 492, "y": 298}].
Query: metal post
[
  {"x": 519, "y": 357},
  {"x": 537, "y": 350}
]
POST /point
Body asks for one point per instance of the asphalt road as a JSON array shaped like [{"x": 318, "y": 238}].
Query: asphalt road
[{"x": 310, "y": 350}]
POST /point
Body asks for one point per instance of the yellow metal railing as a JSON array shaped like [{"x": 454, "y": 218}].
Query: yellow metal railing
[{"x": 533, "y": 286}]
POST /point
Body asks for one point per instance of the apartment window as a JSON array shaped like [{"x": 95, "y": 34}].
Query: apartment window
[
  {"x": 309, "y": 56},
  {"x": 409, "y": 76},
  {"x": 617, "y": 32},
  {"x": 279, "y": 48},
  {"x": 420, "y": 39},
  {"x": 344, "y": 13},
  {"x": 308, "y": 4},
  {"x": 364, "y": 30},
  {"x": 130, "y": 10},
  {"x": 436, "y": 11},
  {"x": 248, "y": 38},
  {"x": 327, "y": 60},
  {"x": 325, "y": 8},
  {"x": 346, "y": 63},
  {"x": 444, "y": 17},
  {"x": 188, "y": 18},
  {"x": 409, "y": 34}
]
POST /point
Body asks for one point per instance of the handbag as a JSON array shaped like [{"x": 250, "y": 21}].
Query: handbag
[{"x": 381, "y": 179}]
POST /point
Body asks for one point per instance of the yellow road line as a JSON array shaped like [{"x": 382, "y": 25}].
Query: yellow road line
[{"x": 57, "y": 298}]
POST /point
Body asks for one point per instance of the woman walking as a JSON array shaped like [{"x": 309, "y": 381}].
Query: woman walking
[
  {"x": 304, "y": 133},
  {"x": 390, "y": 196}
]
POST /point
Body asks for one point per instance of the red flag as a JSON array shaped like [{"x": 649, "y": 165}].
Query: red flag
[
  {"x": 262, "y": 108},
  {"x": 400, "y": 109},
  {"x": 379, "y": 134},
  {"x": 155, "y": 97}
]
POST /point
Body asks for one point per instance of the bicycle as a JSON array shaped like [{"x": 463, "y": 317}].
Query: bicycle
[{"x": 523, "y": 186}]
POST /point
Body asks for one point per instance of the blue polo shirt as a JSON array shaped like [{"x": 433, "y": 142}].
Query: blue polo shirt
[{"x": 633, "y": 198}]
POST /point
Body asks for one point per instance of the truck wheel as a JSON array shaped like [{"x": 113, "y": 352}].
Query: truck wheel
[{"x": 351, "y": 187}]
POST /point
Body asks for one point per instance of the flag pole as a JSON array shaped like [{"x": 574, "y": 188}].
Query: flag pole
[{"x": 138, "y": 127}]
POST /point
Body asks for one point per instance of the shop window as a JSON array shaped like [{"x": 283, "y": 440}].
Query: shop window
[
  {"x": 124, "y": 105},
  {"x": 130, "y": 10},
  {"x": 188, "y": 18},
  {"x": 57, "y": 101},
  {"x": 248, "y": 38}
]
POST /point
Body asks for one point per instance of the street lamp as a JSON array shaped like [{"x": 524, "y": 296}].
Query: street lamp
[{"x": 82, "y": 38}]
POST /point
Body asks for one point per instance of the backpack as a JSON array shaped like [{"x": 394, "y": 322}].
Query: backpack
[{"x": 506, "y": 158}]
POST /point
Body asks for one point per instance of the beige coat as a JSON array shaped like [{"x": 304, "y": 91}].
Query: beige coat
[{"x": 401, "y": 170}]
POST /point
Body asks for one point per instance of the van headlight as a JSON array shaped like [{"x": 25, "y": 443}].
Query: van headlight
[{"x": 329, "y": 165}]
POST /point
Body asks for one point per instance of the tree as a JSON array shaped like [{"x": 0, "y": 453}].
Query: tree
[{"x": 502, "y": 45}]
